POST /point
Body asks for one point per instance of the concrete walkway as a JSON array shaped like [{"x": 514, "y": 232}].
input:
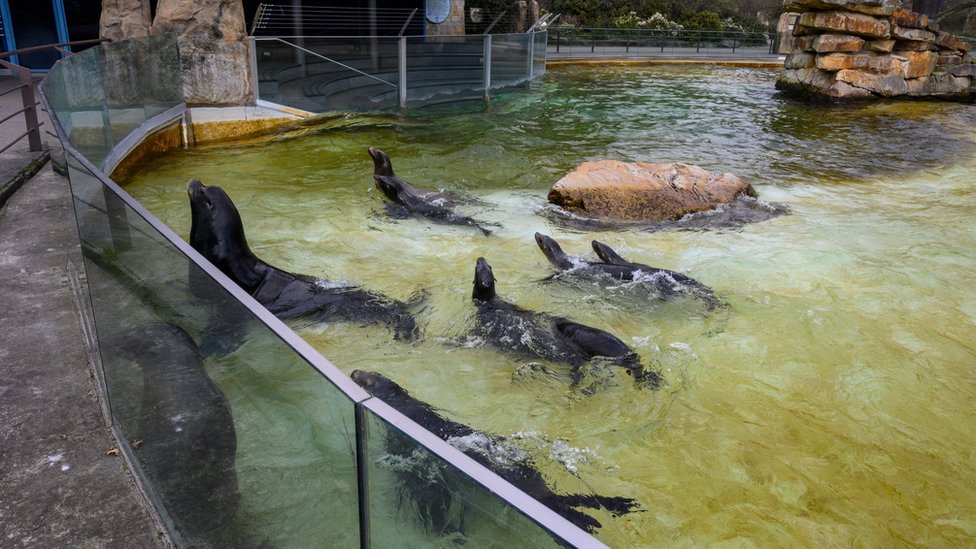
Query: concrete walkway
[{"x": 59, "y": 487}]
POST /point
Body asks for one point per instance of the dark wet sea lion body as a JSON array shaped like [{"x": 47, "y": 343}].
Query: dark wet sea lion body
[
  {"x": 520, "y": 473},
  {"x": 668, "y": 283},
  {"x": 189, "y": 443},
  {"x": 217, "y": 232},
  {"x": 528, "y": 333},
  {"x": 437, "y": 207}
]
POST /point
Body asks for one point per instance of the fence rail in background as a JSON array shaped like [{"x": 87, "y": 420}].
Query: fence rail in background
[
  {"x": 25, "y": 83},
  {"x": 568, "y": 42},
  {"x": 318, "y": 74},
  {"x": 248, "y": 436}
]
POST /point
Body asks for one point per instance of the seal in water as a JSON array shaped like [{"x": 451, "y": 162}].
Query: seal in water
[
  {"x": 430, "y": 204},
  {"x": 436, "y": 500},
  {"x": 528, "y": 333},
  {"x": 185, "y": 422},
  {"x": 667, "y": 283},
  {"x": 218, "y": 234}
]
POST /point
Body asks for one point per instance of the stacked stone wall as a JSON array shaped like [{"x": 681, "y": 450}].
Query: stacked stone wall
[{"x": 872, "y": 48}]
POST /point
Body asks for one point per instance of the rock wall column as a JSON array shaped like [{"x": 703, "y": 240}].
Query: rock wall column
[
  {"x": 123, "y": 19},
  {"x": 214, "y": 55}
]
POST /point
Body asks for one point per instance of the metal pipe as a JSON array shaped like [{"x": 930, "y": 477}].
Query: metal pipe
[
  {"x": 493, "y": 23},
  {"x": 407, "y": 22}
]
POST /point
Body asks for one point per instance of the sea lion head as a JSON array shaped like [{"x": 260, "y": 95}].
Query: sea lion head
[
  {"x": 484, "y": 281},
  {"x": 377, "y": 384},
  {"x": 550, "y": 248},
  {"x": 381, "y": 162},
  {"x": 217, "y": 232}
]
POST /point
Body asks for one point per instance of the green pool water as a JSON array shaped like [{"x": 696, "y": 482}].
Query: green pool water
[{"x": 831, "y": 402}]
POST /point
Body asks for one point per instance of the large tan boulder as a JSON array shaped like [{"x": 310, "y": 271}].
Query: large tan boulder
[
  {"x": 640, "y": 191},
  {"x": 920, "y": 63},
  {"x": 213, "y": 49},
  {"x": 886, "y": 85},
  {"x": 827, "y": 43}
]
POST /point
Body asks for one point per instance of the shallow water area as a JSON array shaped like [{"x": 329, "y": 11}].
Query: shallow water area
[{"x": 828, "y": 402}]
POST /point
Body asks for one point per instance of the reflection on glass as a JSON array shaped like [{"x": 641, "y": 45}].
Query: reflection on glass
[
  {"x": 241, "y": 441},
  {"x": 416, "y": 499}
]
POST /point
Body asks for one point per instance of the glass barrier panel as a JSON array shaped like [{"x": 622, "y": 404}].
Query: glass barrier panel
[
  {"x": 321, "y": 74},
  {"x": 539, "y": 53},
  {"x": 444, "y": 70},
  {"x": 240, "y": 441},
  {"x": 509, "y": 60},
  {"x": 416, "y": 499},
  {"x": 76, "y": 93}
]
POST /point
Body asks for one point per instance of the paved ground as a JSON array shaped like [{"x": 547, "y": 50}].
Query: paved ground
[{"x": 58, "y": 485}]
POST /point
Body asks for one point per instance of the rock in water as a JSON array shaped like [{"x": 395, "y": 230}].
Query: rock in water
[{"x": 641, "y": 191}]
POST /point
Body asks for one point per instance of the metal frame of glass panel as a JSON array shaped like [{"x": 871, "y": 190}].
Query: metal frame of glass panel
[{"x": 488, "y": 484}]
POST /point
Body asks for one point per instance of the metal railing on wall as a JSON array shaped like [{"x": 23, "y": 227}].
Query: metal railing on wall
[
  {"x": 239, "y": 431},
  {"x": 318, "y": 74},
  {"x": 582, "y": 42},
  {"x": 25, "y": 84}
]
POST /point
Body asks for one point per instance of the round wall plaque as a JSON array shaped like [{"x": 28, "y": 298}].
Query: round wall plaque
[{"x": 438, "y": 10}]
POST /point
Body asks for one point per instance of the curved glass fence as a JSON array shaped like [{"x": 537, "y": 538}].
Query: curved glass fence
[
  {"x": 318, "y": 74},
  {"x": 203, "y": 384}
]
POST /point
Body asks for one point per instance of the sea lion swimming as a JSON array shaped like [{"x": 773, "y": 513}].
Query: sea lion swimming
[
  {"x": 668, "y": 284},
  {"x": 431, "y": 204},
  {"x": 558, "y": 339},
  {"x": 217, "y": 232},
  {"x": 436, "y": 500}
]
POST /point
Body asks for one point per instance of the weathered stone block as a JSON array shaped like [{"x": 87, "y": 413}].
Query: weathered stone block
[
  {"x": 881, "y": 64},
  {"x": 969, "y": 58},
  {"x": 950, "y": 42},
  {"x": 870, "y": 7},
  {"x": 933, "y": 26},
  {"x": 799, "y": 60},
  {"x": 910, "y": 45},
  {"x": 949, "y": 58},
  {"x": 939, "y": 84},
  {"x": 887, "y": 85},
  {"x": 843, "y": 90},
  {"x": 880, "y": 46},
  {"x": 826, "y": 43},
  {"x": 963, "y": 70},
  {"x": 846, "y": 22},
  {"x": 909, "y": 18},
  {"x": 804, "y": 43},
  {"x": 641, "y": 191},
  {"x": 920, "y": 63},
  {"x": 917, "y": 35}
]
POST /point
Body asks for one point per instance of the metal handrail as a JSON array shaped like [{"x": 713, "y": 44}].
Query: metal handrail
[
  {"x": 320, "y": 56},
  {"x": 26, "y": 87}
]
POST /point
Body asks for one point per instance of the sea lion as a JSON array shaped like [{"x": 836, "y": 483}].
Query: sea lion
[
  {"x": 559, "y": 339},
  {"x": 217, "y": 232},
  {"x": 667, "y": 283},
  {"x": 189, "y": 443},
  {"x": 436, "y": 500},
  {"x": 436, "y": 206}
]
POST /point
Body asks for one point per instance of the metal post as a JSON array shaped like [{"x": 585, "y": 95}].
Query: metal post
[
  {"x": 531, "y": 56},
  {"x": 362, "y": 469},
  {"x": 255, "y": 78},
  {"x": 373, "y": 41},
  {"x": 557, "y": 40},
  {"x": 487, "y": 68},
  {"x": 402, "y": 69}
]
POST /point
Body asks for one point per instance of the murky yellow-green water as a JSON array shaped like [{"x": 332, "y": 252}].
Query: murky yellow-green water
[{"x": 830, "y": 405}]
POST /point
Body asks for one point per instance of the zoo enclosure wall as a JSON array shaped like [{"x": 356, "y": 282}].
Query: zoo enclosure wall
[{"x": 296, "y": 458}]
